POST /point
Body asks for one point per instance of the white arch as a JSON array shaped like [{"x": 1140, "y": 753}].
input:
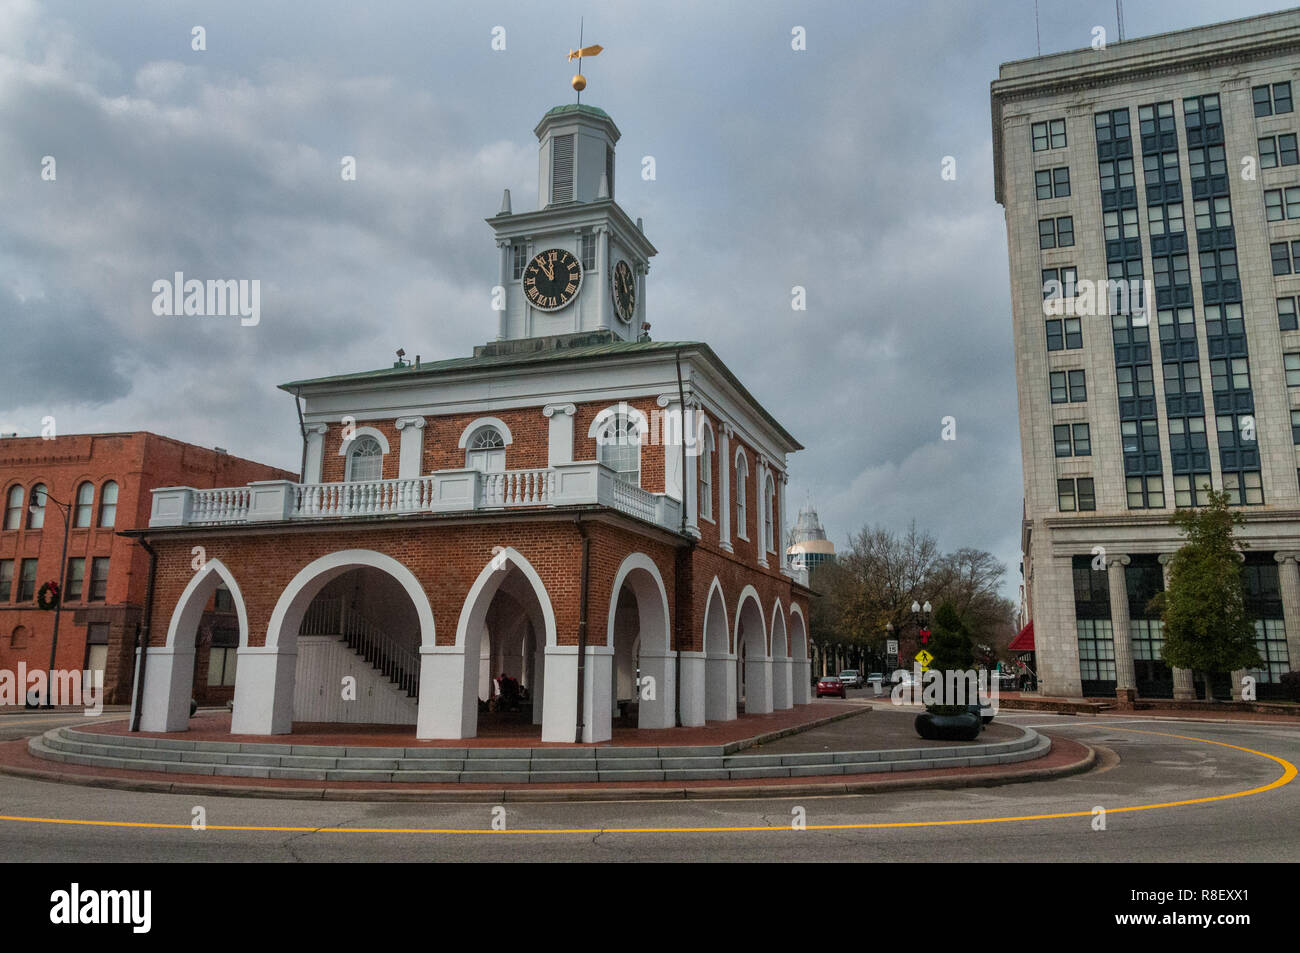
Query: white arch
[
  {"x": 633, "y": 415},
  {"x": 801, "y": 666},
  {"x": 782, "y": 664},
  {"x": 658, "y": 598},
  {"x": 189, "y": 609},
  {"x": 715, "y": 591},
  {"x": 489, "y": 580},
  {"x": 346, "y": 445},
  {"x": 495, "y": 422},
  {"x": 312, "y": 578},
  {"x": 748, "y": 593}
]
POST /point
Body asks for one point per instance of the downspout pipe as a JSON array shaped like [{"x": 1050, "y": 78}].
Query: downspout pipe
[
  {"x": 677, "y": 563},
  {"x": 302, "y": 430},
  {"x": 582, "y": 624},
  {"x": 142, "y": 635}
]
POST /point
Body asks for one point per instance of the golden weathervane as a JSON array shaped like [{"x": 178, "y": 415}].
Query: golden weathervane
[{"x": 580, "y": 81}]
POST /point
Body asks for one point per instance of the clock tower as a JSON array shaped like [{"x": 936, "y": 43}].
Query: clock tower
[{"x": 578, "y": 262}]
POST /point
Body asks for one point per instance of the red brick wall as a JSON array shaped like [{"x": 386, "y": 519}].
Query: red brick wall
[{"x": 138, "y": 462}]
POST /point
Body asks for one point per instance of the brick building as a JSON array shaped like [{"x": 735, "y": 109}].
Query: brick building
[
  {"x": 595, "y": 514},
  {"x": 104, "y": 480}
]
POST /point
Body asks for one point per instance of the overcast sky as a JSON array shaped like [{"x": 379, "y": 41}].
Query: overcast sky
[{"x": 775, "y": 168}]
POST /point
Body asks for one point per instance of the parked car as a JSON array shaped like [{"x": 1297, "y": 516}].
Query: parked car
[
  {"x": 830, "y": 685},
  {"x": 851, "y": 677},
  {"x": 877, "y": 679}
]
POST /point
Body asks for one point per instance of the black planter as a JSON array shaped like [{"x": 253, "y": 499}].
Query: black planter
[{"x": 965, "y": 726}]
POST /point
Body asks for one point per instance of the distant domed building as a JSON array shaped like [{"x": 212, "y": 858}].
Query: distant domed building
[{"x": 809, "y": 542}]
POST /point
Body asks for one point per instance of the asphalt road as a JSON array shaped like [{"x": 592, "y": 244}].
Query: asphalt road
[{"x": 1141, "y": 765}]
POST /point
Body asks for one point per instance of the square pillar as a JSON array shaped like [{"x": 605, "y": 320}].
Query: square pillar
[
  {"x": 168, "y": 686},
  {"x": 693, "y": 688},
  {"x": 560, "y": 702},
  {"x": 661, "y": 710},
  {"x": 264, "y": 691},
  {"x": 448, "y": 700},
  {"x": 720, "y": 697},
  {"x": 315, "y": 453},
  {"x": 1125, "y": 679}
]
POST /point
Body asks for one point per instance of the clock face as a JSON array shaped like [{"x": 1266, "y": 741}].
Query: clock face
[
  {"x": 552, "y": 279},
  {"x": 624, "y": 290}
]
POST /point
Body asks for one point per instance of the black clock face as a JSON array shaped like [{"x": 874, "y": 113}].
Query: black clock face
[
  {"x": 624, "y": 291},
  {"x": 552, "y": 279}
]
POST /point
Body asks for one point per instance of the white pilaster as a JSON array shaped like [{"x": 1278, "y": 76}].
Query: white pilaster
[
  {"x": 721, "y": 689},
  {"x": 778, "y": 521},
  {"x": 411, "y": 448},
  {"x": 693, "y": 689},
  {"x": 559, "y": 442},
  {"x": 315, "y": 453},
  {"x": 689, "y": 434},
  {"x": 725, "y": 470},
  {"x": 504, "y": 277},
  {"x": 602, "y": 270}
]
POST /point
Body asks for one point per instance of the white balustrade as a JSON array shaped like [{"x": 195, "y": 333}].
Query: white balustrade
[
  {"x": 517, "y": 488},
  {"x": 222, "y": 505},
  {"x": 368, "y": 498},
  {"x": 633, "y": 500}
]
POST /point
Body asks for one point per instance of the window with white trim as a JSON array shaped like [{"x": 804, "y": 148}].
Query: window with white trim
[
  {"x": 365, "y": 459},
  {"x": 704, "y": 466},
  {"x": 742, "y": 477},
  {"x": 486, "y": 450},
  {"x": 618, "y": 446}
]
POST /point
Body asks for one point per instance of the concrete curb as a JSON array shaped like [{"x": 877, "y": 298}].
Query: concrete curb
[{"x": 499, "y": 795}]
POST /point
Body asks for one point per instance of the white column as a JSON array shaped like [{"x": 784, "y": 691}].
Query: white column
[
  {"x": 725, "y": 471},
  {"x": 168, "y": 686},
  {"x": 693, "y": 688},
  {"x": 560, "y": 703},
  {"x": 758, "y": 684},
  {"x": 778, "y": 522},
  {"x": 1124, "y": 675},
  {"x": 640, "y": 299},
  {"x": 504, "y": 275},
  {"x": 559, "y": 443},
  {"x": 448, "y": 702},
  {"x": 1184, "y": 688},
  {"x": 720, "y": 700},
  {"x": 411, "y": 448},
  {"x": 661, "y": 710},
  {"x": 782, "y": 682},
  {"x": 264, "y": 691},
  {"x": 315, "y": 453},
  {"x": 672, "y": 449},
  {"x": 1288, "y": 572}
]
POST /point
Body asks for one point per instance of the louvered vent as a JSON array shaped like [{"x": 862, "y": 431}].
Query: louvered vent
[{"x": 562, "y": 169}]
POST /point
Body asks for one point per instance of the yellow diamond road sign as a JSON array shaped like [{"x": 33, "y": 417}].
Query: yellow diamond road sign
[{"x": 925, "y": 658}]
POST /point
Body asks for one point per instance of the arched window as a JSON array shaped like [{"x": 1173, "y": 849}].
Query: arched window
[
  {"x": 14, "y": 508},
  {"x": 36, "y": 512},
  {"x": 85, "y": 504},
  {"x": 486, "y": 450},
  {"x": 742, "y": 478},
  {"x": 769, "y": 539},
  {"x": 108, "y": 505},
  {"x": 365, "y": 460},
  {"x": 618, "y": 446},
  {"x": 705, "y": 467},
  {"x": 18, "y": 638}
]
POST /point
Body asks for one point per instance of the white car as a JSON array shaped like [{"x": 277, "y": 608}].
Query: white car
[{"x": 851, "y": 677}]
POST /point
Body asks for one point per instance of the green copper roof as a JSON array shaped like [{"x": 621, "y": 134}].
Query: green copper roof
[{"x": 577, "y": 108}]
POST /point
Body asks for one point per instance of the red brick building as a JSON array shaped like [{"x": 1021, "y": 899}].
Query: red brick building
[
  {"x": 105, "y": 481},
  {"x": 594, "y": 514}
]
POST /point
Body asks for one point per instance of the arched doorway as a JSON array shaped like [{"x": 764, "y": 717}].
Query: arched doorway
[
  {"x": 169, "y": 674},
  {"x": 801, "y": 666},
  {"x": 358, "y": 652},
  {"x": 754, "y": 665},
  {"x": 643, "y": 676},
  {"x": 719, "y": 670},
  {"x": 781, "y": 674},
  {"x": 266, "y": 681}
]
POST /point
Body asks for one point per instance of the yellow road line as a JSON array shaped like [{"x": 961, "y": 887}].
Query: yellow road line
[{"x": 1288, "y": 775}]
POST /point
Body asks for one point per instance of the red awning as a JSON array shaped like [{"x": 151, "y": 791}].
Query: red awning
[{"x": 1024, "y": 642}]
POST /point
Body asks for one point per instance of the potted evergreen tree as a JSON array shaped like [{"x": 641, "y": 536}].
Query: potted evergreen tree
[{"x": 953, "y": 719}]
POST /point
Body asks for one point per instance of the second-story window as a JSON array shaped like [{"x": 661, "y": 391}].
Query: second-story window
[
  {"x": 588, "y": 251},
  {"x": 769, "y": 504},
  {"x": 742, "y": 478},
  {"x": 618, "y": 446},
  {"x": 85, "y": 505},
  {"x": 365, "y": 460},
  {"x": 108, "y": 505},
  {"x": 36, "y": 512},
  {"x": 14, "y": 508},
  {"x": 486, "y": 450}
]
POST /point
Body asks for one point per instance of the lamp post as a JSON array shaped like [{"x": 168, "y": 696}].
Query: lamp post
[
  {"x": 66, "y": 508},
  {"x": 921, "y": 616}
]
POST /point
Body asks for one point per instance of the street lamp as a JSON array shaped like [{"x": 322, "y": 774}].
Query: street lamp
[
  {"x": 921, "y": 616},
  {"x": 34, "y": 508},
  {"x": 891, "y": 659}
]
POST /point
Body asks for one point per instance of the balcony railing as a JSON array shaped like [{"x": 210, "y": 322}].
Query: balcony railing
[{"x": 441, "y": 492}]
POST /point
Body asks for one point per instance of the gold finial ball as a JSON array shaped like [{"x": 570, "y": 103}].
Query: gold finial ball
[{"x": 579, "y": 82}]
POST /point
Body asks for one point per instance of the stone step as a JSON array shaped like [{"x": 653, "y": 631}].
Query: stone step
[{"x": 493, "y": 766}]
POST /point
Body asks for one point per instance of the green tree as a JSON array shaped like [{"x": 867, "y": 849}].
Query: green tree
[
  {"x": 950, "y": 642},
  {"x": 1207, "y": 628}
]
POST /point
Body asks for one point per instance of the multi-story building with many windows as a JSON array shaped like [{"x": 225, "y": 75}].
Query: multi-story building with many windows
[{"x": 1152, "y": 200}]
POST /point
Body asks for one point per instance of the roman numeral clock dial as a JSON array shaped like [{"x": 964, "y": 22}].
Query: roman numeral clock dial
[
  {"x": 552, "y": 279},
  {"x": 624, "y": 291}
]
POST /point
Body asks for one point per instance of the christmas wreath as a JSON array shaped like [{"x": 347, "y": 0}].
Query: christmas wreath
[{"x": 48, "y": 596}]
